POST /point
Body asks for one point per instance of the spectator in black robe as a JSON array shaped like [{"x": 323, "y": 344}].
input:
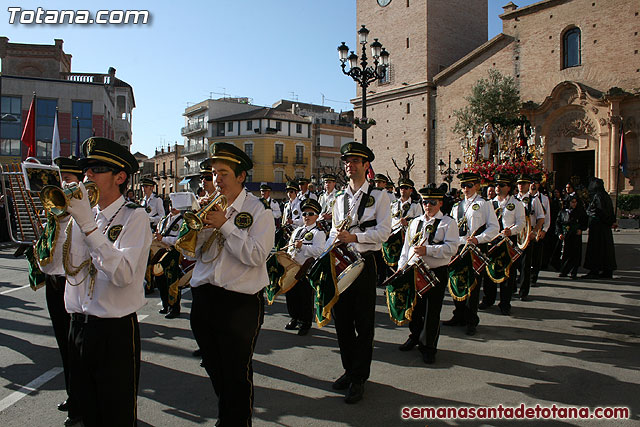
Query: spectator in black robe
[
  {"x": 600, "y": 258},
  {"x": 570, "y": 224}
]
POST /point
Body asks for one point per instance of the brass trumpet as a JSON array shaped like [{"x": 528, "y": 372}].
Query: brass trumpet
[
  {"x": 56, "y": 200},
  {"x": 195, "y": 220}
]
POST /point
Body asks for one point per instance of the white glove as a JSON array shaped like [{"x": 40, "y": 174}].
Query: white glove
[{"x": 80, "y": 210}]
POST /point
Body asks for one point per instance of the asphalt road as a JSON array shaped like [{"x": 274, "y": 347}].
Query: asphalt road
[{"x": 576, "y": 343}]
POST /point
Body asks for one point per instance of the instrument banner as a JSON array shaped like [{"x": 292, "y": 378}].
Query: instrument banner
[
  {"x": 186, "y": 240},
  {"x": 501, "y": 258},
  {"x": 36, "y": 276},
  {"x": 462, "y": 276},
  {"x": 402, "y": 296},
  {"x": 322, "y": 277},
  {"x": 392, "y": 248},
  {"x": 275, "y": 272},
  {"x": 283, "y": 234},
  {"x": 45, "y": 245}
]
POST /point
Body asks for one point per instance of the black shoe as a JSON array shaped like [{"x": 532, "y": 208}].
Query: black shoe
[
  {"x": 408, "y": 344},
  {"x": 196, "y": 353},
  {"x": 505, "y": 311},
  {"x": 454, "y": 321},
  {"x": 429, "y": 358},
  {"x": 484, "y": 305},
  {"x": 562, "y": 275},
  {"x": 341, "y": 383},
  {"x": 148, "y": 291},
  {"x": 355, "y": 392},
  {"x": 304, "y": 329},
  {"x": 293, "y": 324},
  {"x": 64, "y": 406},
  {"x": 172, "y": 315},
  {"x": 574, "y": 276},
  {"x": 590, "y": 275},
  {"x": 164, "y": 310},
  {"x": 69, "y": 421},
  {"x": 471, "y": 330},
  {"x": 606, "y": 275},
  {"x": 524, "y": 298}
]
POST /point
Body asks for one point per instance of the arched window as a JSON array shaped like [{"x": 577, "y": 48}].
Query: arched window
[{"x": 571, "y": 48}]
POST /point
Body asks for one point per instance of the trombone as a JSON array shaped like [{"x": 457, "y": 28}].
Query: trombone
[{"x": 56, "y": 200}]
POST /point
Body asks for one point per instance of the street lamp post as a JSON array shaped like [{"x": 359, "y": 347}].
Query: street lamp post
[
  {"x": 364, "y": 74},
  {"x": 448, "y": 173}
]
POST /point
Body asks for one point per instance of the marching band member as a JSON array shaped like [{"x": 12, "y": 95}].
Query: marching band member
[
  {"x": 328, "y": 198},
  {"x": 381, "y": 181},
  {"x": 305, "y": 193},
  {"x": 354, "y": 313},
  {"x": 533, "y": 209},
  {"x": 391, "y": 191},
  {"x": 55, "y": 279},
  {"x": 104, "y": 256},
  {"x": 306, "y": 242},
  {"x": 477, "y": 224},
  {"x": 291, "y": 214},
  {"x": 227, "y": 285},
  {"x": 167, "y": 233},
  {"x": 538, "y": 243},
  {"x": 206, "y": 179},
  {"x": 511, "y": 218},
  {"x": 269, "y": 203},
  {"x": 152, "y": 203},
  {"x": 404, "y": 209},
  {"x": 433, "y": 237}
]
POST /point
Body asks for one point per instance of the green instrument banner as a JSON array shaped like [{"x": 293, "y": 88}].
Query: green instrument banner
[
  {"x": 322, "y": 277},
  {"x": 275, "y": 272},
  {"x": 36, "y": 276},
  {"x": 392, "y": 248},
  {"x": 401, "y": 297},
  {"x": 462, "y": 277},
  {"x": 500, "y": 260},
  {"x": 47, "y": 242},
  {"x": 172, "y": 271}
]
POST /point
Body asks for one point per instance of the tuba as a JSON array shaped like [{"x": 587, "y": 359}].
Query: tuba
[{"x": 56, "y": 200}]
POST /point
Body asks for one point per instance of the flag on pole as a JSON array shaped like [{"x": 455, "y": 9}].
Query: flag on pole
[
  {"x": 623, "y": 152},
  {"x": 55, "y": 139},
  {"x": 29, "y": 131}
]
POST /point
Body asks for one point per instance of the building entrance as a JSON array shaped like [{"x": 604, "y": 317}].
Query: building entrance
[{"x": 575, "y": 163}]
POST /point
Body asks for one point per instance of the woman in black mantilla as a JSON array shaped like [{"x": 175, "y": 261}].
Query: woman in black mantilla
[
  {"x": 570, "y": 224},
  {"x": 600, "y": 259}
]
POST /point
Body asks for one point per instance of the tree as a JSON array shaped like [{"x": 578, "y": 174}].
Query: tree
[{"x": 495, "y": 100}]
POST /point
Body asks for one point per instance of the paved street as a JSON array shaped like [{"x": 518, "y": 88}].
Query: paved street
[{"x": 575, "y": 343}]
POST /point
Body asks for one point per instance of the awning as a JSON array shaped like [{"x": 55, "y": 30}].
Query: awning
[{"x": 185, "y": 181}]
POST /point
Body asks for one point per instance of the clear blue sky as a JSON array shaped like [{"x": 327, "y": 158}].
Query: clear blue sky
[{"x": 260, "y": 49}]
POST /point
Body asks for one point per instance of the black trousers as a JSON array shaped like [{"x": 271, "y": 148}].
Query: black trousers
[
  {"x": 490, "y": 288},
  {"x": 467, "y": 310},
  {"x": 571, "y": 254},
  {"x": 382, "y": 269},
  {"x": 354, "y": 315},
  {"x": 61, "y": 321},
  {"x": 226, "y": 326},
  {"x": 104, "y": 356},
  {"x": 425, "y": 320},
  {"x": 536, "y": 259},
  {"x": 300, "y": 301},
  {"x": 524, "y": 271},
  {"x": 162, "y": 284}
]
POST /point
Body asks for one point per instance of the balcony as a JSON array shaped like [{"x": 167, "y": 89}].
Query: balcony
[
  {"x": 190, "y": 171},
  {"x": 193, "y": 128},
  {"x": 280, "y": 160},
  {"x": 301, "y": 161},
  {"x": 196, "y": 148}
]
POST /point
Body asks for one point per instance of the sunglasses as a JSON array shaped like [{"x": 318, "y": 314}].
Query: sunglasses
[
  {"x": 309, "y": 214},
  {"x": 430, "y": 202},
  {"x": 467, "y": 184},
  {"x": 206, "y": 177},
  {"x": 98, "y": 169}
]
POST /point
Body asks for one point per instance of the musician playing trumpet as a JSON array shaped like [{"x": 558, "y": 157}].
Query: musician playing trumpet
[
  {"x": 167, "y": 233},
  {"x": 227, "y": 284},
  {"x": 369, "y": 226},
  {"x": 477, "y": 225},
  {"x": 432, "y": 237},
  {"x": 306, "y": 242},
  {"x": 511, "y": 218}
]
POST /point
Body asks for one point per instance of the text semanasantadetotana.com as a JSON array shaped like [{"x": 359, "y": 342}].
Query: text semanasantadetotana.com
[{"x": 517, "y": 412}]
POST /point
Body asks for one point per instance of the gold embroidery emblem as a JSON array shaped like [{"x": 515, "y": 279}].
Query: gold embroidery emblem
[
  {"x": 90, "y": 144},
  {"x": 429, "y": 228},
  {"x": 511, "y": 207},
  {"x": 114, "y": 232},
  {"x": 475, "y": 207},
  {"x": 308, "y": 236},
  {"x": 370, "y": 202},
  {"x": 243, "y": 220}
]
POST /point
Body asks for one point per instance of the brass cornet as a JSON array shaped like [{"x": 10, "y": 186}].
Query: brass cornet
[
  {"x": 56, "y": 200},
  {"x": 195, "y": 220}
]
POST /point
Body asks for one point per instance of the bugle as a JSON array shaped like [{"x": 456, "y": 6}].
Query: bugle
[{"x": 56, "y": 200}]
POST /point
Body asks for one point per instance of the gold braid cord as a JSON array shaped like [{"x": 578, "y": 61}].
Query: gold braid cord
[
  {"x": 72, "y": 270},
  {"x": 215, "y": 236}
]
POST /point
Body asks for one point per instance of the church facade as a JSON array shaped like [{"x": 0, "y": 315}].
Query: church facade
[{"x": 575, "y": 62}]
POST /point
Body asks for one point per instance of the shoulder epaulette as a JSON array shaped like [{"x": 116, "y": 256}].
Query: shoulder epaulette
[
  {"x": 133, "y": 205},
  {"x": 340, "y": 193},
  {"x": 456, "y": 204}
]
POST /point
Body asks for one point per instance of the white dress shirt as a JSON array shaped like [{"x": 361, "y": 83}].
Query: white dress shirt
[
  {"x": 445, "y": 241},
  {"x": 292, "y": 211},
  {"x": 545, "y": 208},
  {"x": 478, "y": 212},
  {"x": 371, "y": 238},
  {"x": 533, "y": 203},
  {"x": 169, "y": 236},
  {"x": 327, "y": 200},
  {"x": 240, "y": 264},
  {"x": 275, "y": 208},
  {"x": 313, "y": 241},
  {"x": 513, "y": 216},
  {"x": 308, "y": 195},
  {"x": 398, "y": 209},
  {"x": 121, "y": 264},
  {"x": 155, "y": 208}
]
